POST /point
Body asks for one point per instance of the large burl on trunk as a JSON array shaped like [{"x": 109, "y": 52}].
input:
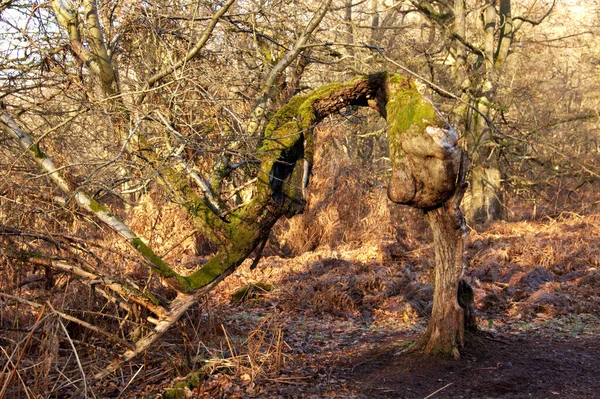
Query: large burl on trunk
[
  {"x": 423, "y": 149},
  {"x": 428, "y": 172}
]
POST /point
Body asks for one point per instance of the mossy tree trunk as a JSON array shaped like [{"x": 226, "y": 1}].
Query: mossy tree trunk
[{"x": 426, "y": 170}]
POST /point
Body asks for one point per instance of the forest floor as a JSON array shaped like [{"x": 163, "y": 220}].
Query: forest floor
[{"x": 339, "y": 323}]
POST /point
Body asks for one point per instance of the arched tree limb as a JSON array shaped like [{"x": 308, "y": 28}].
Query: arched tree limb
[{"x": 427, "y": 173}]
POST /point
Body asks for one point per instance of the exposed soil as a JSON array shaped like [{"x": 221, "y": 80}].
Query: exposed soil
[
  {"x": 521, "y": 366},
  {"x": 353, "y": 361}
]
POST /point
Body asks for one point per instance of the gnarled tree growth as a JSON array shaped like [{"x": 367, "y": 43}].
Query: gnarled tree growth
[{"x": 427, "y": 173}]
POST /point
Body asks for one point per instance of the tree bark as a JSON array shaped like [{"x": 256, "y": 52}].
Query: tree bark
[{"x": 445, "y": 332}]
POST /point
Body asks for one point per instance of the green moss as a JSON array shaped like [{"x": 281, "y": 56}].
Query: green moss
[
  {"x": 242, "y": 239},
  {"x": 192, "y": 381},
  {"x": 25, "y": 255},
  {"x": 144, "y": 294},
  {"x": 408, "y": 113},
  {"x": 159, "y": 266},
  {"x": 288, "y": 113},
  {"x": 95, "y": 206},
  {"x": 405, "y": 107},
  {"x": 397, "y": 79},
  {"x": 207, "y": 273},
  {"x": 37, "y": 151},
  {"x": 296, "y": 117}
]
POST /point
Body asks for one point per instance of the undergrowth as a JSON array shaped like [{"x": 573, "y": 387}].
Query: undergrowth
[{"x": 352, "y": 269}]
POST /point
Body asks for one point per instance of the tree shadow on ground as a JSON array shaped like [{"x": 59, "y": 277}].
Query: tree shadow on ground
[
  {"x": 360, "y": 289},
  {"x": 521, "y": 366}
]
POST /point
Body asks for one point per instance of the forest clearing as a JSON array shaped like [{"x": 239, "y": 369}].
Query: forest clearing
[{"x": 299, "y": 199}]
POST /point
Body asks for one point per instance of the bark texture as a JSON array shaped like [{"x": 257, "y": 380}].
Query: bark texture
[{"x": 445, "y": 332}]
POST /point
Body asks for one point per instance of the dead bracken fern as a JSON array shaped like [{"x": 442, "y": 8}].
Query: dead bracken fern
[
  {"x": 238, "y": 367},
  {"x": 547, "y": 267},
  {"x": 346, "y": 205}
]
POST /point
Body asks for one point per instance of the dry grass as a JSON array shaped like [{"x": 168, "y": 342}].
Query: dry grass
[
  {"x": 352, "y": 264},
  {"x": 527, "y": 268}
]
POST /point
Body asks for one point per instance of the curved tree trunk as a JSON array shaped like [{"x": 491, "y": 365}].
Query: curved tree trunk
[{"x": 426, "y": 170}]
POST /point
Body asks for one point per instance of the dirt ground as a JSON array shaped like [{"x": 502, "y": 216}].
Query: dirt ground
[
  {"x": 358, "y": 362},
  {"x": 348, "y": 318},
  {"x": 519, "y": 366}
]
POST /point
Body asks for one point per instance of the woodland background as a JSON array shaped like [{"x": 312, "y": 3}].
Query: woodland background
[{"x": 351, "y": 273}]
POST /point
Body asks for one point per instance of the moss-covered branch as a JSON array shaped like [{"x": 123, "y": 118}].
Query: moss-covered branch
[
  {"x": 423, "y": 147},
  {"x": 84, "y": 200},
  {"x": 423, "y": 152}
]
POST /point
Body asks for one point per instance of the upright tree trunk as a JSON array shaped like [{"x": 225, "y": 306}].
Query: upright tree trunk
[
  {"x": 483, "y": 199},
  {"x": 452, "y": 306},
  {"x": 445, "y": 331}
]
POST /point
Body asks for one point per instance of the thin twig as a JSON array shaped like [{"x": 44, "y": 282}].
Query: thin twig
[
  {"x": 228, "y": 342},
  {"x": 64, "y": 328},
  {"x": 130, "y": 381},
  {"x": 16, "y": 366},
  {"x": 10, "y": 363},
  {"x": 439, "y": 390},
  {"x": 193, "y": 51}
]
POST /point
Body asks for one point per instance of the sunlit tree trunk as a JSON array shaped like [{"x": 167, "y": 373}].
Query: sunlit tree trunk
[
  {"x": 452, "y": 307},
  {"x": 483, "y": 199}
]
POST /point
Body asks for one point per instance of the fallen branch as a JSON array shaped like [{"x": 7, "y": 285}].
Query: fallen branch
[
  {"x": 121, "y": 288},
  {"x": 178, "y": 307},
  {"x": 73, "y": 319}
]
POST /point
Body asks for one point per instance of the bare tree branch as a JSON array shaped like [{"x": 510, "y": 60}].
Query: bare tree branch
[
  {"x": 193, "y": 51},
  {"x": 290, "y": 56},
  {"x": 91, "y": 205}
]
